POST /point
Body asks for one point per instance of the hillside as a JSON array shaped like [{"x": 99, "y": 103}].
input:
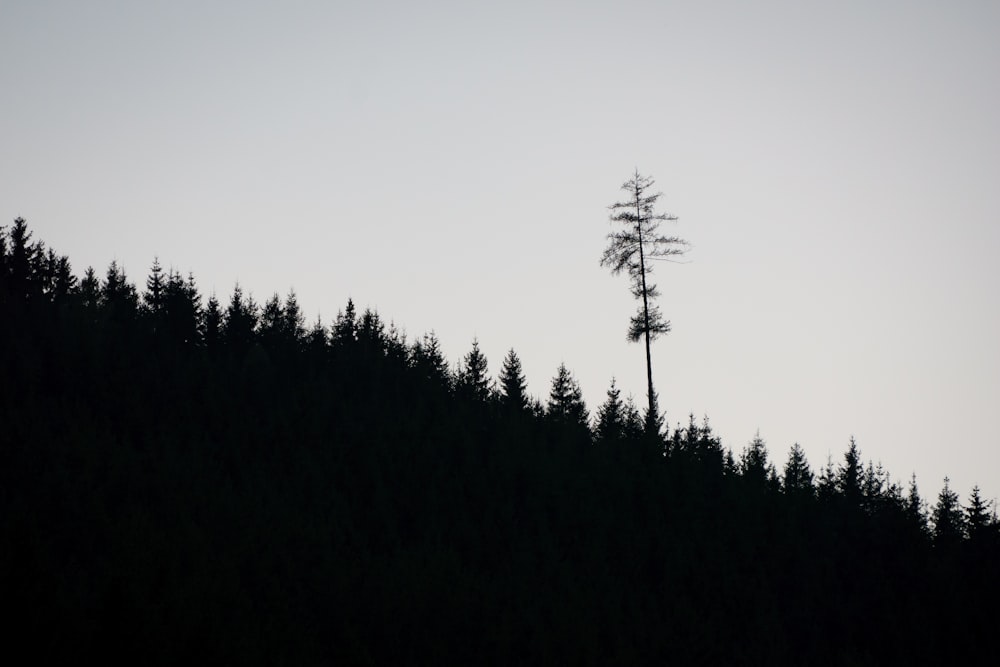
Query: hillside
[{"x": 187, "y": 479}]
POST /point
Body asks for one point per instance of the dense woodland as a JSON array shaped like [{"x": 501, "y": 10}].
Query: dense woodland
[{"x": 182, "y": 477}]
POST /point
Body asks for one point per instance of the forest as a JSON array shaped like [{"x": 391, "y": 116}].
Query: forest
[{"x": 183, "y": 478}]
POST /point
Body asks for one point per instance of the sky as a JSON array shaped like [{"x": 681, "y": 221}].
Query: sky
[{"x": 835, "y": 167}]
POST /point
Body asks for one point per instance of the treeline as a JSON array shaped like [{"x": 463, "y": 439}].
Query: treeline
[{"x": 184, "y": 477}]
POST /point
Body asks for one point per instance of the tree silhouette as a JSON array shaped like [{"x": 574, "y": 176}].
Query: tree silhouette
[
  {"x": 754, "y": 465},
  {"x": 632, "y": 250},
  {"x": 566, "y": 400},
  {"x": 472, "y": 378},
  {"x": 152, "y": 298},
  {"x": 213, "y": 323},
  {"x": 977, "y": 515},
  {"x": 513, "y": 390},
  {"x": 611, "y": 418},
  {"x": 849, "y": 476},
  {"x": 797, "y": 478},
  {"x": 948, "y": 517}
]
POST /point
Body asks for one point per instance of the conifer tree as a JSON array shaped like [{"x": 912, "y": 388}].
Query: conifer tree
[
  {"x": 977, "y": 516},
  {"x": 566, "y": 400},
  {"x": 610, "y": 426},
  {"x": 213, "y": 323},
  {"x": 754, "y": 465},
  {"x": 632, "y": 250},
  {"x": 427, "y": 359},
  {"x": 240, "y": 325},
  {"x": 345, "y": 326},
  {"x": 180, "y": 310},
  {"x": 65, "y": 282},
  {"x": 19, "y": 260},
  {"x": 272, "y": 322},
  {"x": 371, "y": 336},
  {"x": 914, "y": 507},
  {"x": 797, "y": 478},
  {"x": 316, "y": 339},
  {"x": 849, "y": 475},
  {"x": 3, "y": 255},
  {"x": 118, "y": 295},
  {"x": 826, "y": 485},
  {"x": 90, "y": 289},
  {"x": 513, "y": 387},
  {"x": 947, "y": 517},
  {"x": 294, "y": 325},
  {"x": 472, "y": 378},
  {"x": 634, "y": 426},
  {"x": 152, "y": 298}
]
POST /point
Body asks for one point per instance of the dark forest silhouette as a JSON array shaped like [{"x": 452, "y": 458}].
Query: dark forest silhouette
[{"x": 221, "y": 480}]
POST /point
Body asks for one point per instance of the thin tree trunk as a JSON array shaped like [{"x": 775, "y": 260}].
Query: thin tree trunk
[{"x": 645, "y": 301}]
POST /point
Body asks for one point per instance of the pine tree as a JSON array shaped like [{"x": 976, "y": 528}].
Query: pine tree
[
  {"x": 19, "y": 261},
  {"x": 345, "y": 327},
  {"x": 849, "y": 475},
  {"x": 294, "y": 325},
  {"x": 272, "y": 322},
  {"x": 610, "y": 426},
  {"x": 754, "y": 465},
  {"x": 798, "y": 477},
  {"x": 977, "y": 516},
  {"x": 914, "y": 507},
  {"x": 371, "y": 336},
  {"x": 947, "y": 517},
  {"x": 90, "y": 289},
  {"x": 566, "y": 400},
  {"x": 153, "y": 297},
  {"x": 632, "y": 250},
  {"x": 65, "y": 282},
  {"x": 472, "y": 379},
  {"x": 180, "y": 310},
  {"x": 826, "y": 485},
  {"x": 513, "y": 388},
  {"x": 240, "y": 325},
  {"x": 213, "y": 323},
  {"x": 316, "y": 339},
  {"x": 118, "y": 295},
  {"x": 427, "y": 359}
]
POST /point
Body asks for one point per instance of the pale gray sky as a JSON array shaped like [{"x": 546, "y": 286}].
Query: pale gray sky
[{"x": 835, "y": 166}]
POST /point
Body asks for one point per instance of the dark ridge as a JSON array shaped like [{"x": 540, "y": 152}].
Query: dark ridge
[{"x": 182, "y": 479}]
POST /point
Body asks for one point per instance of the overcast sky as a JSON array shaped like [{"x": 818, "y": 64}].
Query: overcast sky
[{"x": 835, "y": 166}]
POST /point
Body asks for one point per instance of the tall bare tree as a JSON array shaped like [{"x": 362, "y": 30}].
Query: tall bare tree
[{"x": 632, "y": 249}]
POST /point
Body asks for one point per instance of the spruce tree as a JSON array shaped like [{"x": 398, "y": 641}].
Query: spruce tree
[
  {"x": 914, "y": 510},
  {"x": 272, "y": 322},
  {"x": 610, "y": 426},
  {"x": 213, "y": 323},
  {"x": 513, "y": 387},
  {"x": 152, "y": 298},
  {"x": 240, "y": 324},
  {"x": 947, "y": 517},
  {"x": 90, "y": 289},
  {"x": 849, "y": 475},
  {"x": 472, "y": 379},
  {"x": 754, "y": 465},
  {"x": 566, "y": 400},
  {"x": 977, "y": 516},
  {"x": 427, "y": 359},
  {"x": 798, "y": 477},
  {"x": 345, "y": 327},
  {"x": 118, "y": 295},
  {"x": 180, "y": 310},
  {"x": 294, "y": 329}
]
